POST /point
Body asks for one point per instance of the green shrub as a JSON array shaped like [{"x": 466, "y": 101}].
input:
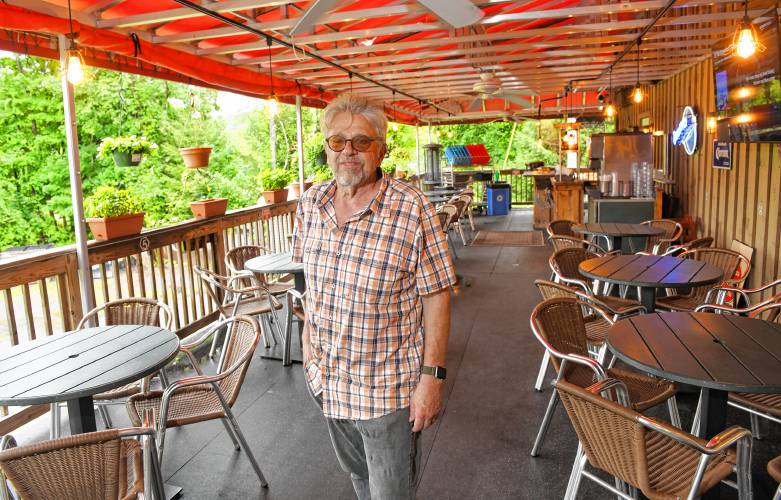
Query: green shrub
[
  {"x": 271, "y": 180},
  {"x": 108, "y": 201},
  {"x": 125, "y": 144},
  {"x": 323, "y": 175}
]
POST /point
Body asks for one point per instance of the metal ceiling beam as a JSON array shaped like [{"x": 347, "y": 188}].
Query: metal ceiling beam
[
  {"x": 226, "y": 20},
  {"x": 162, "y": 16}
]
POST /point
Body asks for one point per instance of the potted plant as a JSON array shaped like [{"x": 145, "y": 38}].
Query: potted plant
[
  {"x": 198, "y": 184},
  {"x": 196, "y": 157},
  {"x": 113, "y": 213},
  {"x": 127, "y": 151},
  {"x": 273, "y": 182}
]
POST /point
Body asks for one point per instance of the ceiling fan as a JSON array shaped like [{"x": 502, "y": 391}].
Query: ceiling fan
[
  {"x": 457, "y": 13},
  {"x": 490, "y": 86}
]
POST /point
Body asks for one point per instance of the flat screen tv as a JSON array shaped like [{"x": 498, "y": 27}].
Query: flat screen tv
[{"x": 748, "y": 91}]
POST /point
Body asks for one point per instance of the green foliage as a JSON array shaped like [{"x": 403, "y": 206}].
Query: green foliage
[
  {"x": 323, "y": 175},
  {"x": 109, "y": 201},
  {"x": 125, "y": 144},
  {"x": 271, "y": 180}
]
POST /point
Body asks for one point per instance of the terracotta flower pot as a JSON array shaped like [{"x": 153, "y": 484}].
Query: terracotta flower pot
[
  {"x": 211, "y": 207},
  {"x": 108, "y": 228},
  {"x": 278, "y": 196},
  {"x": 195, "y": 157}
]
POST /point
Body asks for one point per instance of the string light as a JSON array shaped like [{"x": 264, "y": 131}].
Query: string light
[
  {"x": 712, "y": 124},
  {"x": 637, "y": 93},
  {"x": 74, "y": 62},
  {"x": 610, "y": 110},
  {"x": 273, "y": 104},
  {"x": 745, "y": 42}
]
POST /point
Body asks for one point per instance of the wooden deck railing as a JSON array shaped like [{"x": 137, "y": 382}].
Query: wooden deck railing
[{"x": 41, "y": 292}]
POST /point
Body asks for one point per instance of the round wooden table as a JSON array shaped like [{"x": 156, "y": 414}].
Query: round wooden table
[
  {"x": 76, "y": 365},
  {"x": 649, "y": 272},
  {"x": 616, "y": 231},
  {"x": 718, "y": 352},
  {"x": 278, "y": 263}
]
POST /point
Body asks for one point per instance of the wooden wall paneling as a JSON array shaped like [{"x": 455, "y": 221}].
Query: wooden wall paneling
[
  {"x": 774, "y": 216},
  {"x": 738, "y": 159},
  {"x": 751, "y": 195},
  {"x": 763, "y": 202}
]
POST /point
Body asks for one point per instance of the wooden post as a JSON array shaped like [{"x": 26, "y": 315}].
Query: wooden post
[{"x": 300, "y": 145}]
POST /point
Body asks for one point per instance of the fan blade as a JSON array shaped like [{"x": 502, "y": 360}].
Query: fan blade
[
  {"x": 474, "y": 106},
  {"x": 517, "y": 100},
  {"x": 457, "y": 13},
  {"x": 312, "y": 15}
]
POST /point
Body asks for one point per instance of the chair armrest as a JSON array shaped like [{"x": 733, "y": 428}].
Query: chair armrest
[
  {"x": 717, "y": 443},
  {"x": 611, "y": 383},
  {"x": 604, "y": 308},
  {"x": 570, "y": 281},
  {"x": 732, "y": 310}
]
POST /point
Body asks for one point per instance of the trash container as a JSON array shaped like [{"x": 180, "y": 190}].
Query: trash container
[{"x": 498, "y": 198}]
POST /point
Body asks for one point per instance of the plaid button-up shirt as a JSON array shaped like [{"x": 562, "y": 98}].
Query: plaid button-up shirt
[{"x": 364, "y": 284}]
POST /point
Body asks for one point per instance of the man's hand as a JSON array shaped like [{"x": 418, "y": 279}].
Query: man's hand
[
  {"x": 306, "y": 346},
  {"x": 426, "y": 402}
]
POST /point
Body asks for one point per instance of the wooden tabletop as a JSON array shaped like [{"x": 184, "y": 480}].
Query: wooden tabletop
[
  {"x": 651, "y": 271},
  {"x": 617, "y": 229},
  {"x": 276, "y": 263},
  {"x": 82, "y": 363},
  {"x": 716, "y": 351}
]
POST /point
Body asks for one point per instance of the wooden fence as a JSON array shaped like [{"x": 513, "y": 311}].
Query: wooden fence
[{"x": 41, "y": 292}]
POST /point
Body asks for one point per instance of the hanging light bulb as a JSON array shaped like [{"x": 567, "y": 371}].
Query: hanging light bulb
[
  {"x": 74, "y": 62},
  {"x": 745, "y": 42},
  {"x": 637, "y": 93},
  {"x": 395, "y": 127},
  {"x": 273, "y": 106},
  {"x": 712, "y": 124}
]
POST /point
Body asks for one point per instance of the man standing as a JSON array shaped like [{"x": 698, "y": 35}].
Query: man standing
[{"x": 378, "y": 277}]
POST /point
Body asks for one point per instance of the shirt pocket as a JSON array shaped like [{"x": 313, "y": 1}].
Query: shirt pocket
[{"x": 382, "y": 277}]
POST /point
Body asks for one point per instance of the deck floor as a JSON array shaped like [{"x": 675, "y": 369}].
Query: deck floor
[{"x": 480, "y": 446}]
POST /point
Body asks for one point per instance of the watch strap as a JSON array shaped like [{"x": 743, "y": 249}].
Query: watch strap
[{"x": 436, "y": 371}]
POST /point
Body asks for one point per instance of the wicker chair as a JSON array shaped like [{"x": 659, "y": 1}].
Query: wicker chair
[
  {"x": 661, "y": 461},
  {"x": 561, "y": 227},
  {"x": 451, "y": 212},
  {"x": 675, "y": 250},
  {"x": 560, "y": 242},
  {"x": 657, "y": 245},
  {"x": 250, "y": 301},
  {"x": 564, "y": 264},
  {"x": 596, "y": 325},
  {"x": 774, "y": 469},
  {"x": 132, "y": 311},
  {"x": 202, "y": 397},
  {"x": 560, "y": 327},
  {"x": 235, "y": 259},
  {"x": 110, "y": 464},
  {"x": 726, "y": 260},
  {"x": 461, "y": 207},
  {"x": 467, "y": 212},
  {"x": 757, "y": 405}
]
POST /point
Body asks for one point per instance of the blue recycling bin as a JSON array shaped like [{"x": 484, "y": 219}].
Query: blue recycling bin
[{"x": 498, "y": 198}]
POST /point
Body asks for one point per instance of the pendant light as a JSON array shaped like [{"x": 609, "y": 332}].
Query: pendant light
[
  {"x": 637, "y": 93},
  {"x": 539, "y": 124},
  {"x": 273, "y": 104},
  {"x": 74, "y": 62},
  {"x": 610, "y": 110},
  {"x": 745, "y": 42}
]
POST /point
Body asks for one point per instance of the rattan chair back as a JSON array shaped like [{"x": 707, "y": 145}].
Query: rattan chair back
[
  {"x": 565, "y": 262},
  {"x": 560, "y": 242},
  {"x": 214, "y": 284},
  {"x": 452, "y": 211},
  {"x": 237, "y": 257},
  {"x": 460, "y": 205},
  {"x": 612, "y": 437},
  {"x": 131, "y": 311},
  {"x": 551, "y": 290},
  {"x": 659, "y": 243},
  {"x": 726, "y": 260},
  {"x": 98, "y": 465},
  {"x": 558, "y": 323},
  {"x": 443, "y": 217},
  {"x": 244, "y": 337},
  {"x": 561, "y": 227},
  {"x": 705, "y": 242}
]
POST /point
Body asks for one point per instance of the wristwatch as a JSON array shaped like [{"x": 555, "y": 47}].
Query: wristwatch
[{"x": 437, "y": 371}]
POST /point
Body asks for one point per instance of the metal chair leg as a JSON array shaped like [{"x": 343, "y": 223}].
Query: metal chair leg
[
  {"x": 675, "y": 416},
  {"x": 56, "y": 428},
  {"x": 232, "y": 435},
  {"x": 543, "y": 371},
  {"x": 213, "y": 348},
  {"x": 554, "y": 399},
  {"x": 105, "y": 416},
  {"x": 577, "y": 474},
  {"x": 243, "y": 442},
  {"x": 697, "y": 414},
  {"x": 756, "y": 431}
]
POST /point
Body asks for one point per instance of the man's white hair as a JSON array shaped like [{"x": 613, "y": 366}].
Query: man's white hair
[{"x": 356, "y": 105}]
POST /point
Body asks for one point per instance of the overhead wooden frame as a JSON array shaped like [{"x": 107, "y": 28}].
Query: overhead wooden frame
[{"x": 532, "y": 49}]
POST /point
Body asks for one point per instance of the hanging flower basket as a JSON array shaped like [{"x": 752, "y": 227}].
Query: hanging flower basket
[
  {"x": 195, "y": 157},
  {"x": 125, "y": 159},
  {"x": 212, "y": 207}
]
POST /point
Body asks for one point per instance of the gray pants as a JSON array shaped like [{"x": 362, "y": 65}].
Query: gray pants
[{"x": 381, "y": 454}]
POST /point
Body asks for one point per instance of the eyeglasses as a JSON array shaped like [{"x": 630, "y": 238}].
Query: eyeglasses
[{"x": 360, "y": 143}]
